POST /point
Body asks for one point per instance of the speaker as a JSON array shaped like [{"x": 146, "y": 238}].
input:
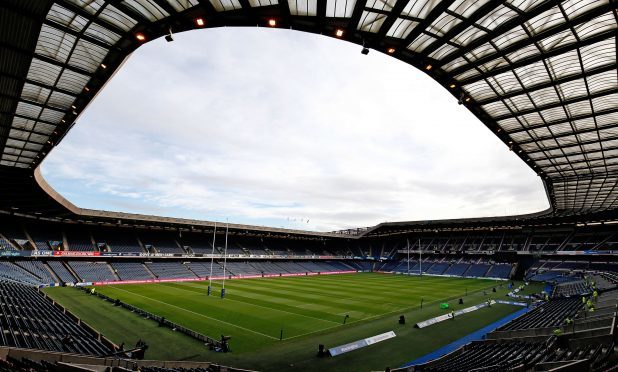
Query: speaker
[
  {"x": 402, "y": 319},
  {"x": 322, "y": 351}
]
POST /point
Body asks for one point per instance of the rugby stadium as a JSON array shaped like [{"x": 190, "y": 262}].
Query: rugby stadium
[{"x": 93, "y": 290}]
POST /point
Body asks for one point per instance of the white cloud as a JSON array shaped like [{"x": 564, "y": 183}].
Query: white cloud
[{"x": 271, "y": 126}]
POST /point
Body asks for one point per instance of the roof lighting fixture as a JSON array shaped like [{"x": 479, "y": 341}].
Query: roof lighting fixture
[
  {"x": 87, "y": 89},
  {"x": 467, "y": 99},
  {"x": 272, "y": 22},
  {"x": 339, "y": 32},
  {"x": 199, "y": 22},
  {"x": 73, "y": 107},
  {"x": 428, "y": 67},
  {"x": 103, "y": 66},
  {"x": 452, "y": 86},
  {"x": 169, "y": 37},
  {"x": 391, "y": 50},
  {"x": 140, "y": 37}
]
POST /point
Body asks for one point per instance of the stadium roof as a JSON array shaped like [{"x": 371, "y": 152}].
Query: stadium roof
[{"x": 540, "y": 74}]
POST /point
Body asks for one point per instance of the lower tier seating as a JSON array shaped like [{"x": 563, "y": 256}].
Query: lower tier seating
[
  {"x": 29, "y": 320},
  {"x": 549, "y": 314}
]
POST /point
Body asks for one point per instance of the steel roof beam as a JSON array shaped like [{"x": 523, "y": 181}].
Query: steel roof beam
[
  {"x": 78, "y": 35},
  {"x": 529, "y": 60},
  {"x": 549, "y": 84},
  {"x": 49, "y": 60},
  {"x": 559, "y": 104},
  {"x": 500, "y": 30},
  {"x": 431, "y": 17},
  {"x": 563, "y": 121},
  {"x": 139, "y": 17},
  {"x": 391, "y": 17},
  {"x": 463, "y": 25},
  {"x": 83, "y": 13},
  {"x": 581, "y": 143}
]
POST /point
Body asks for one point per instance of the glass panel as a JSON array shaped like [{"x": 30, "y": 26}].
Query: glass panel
[
  {"x": 421, "y": 43},
  {"x": 54, "y": 43},
  {"x": 303, "y": 7},
  {"x": 66, "y": 18},
  {"x": 401, "y": 28},
  {"x": 102, "y": 34},
  {"x": 371, "y": 22},
  {"x": 147, "y": 8},
  {"x": 419, "y": 8},
  {"x": 340, "y": 8},
  {"x": 180, "y": 5},
  {"x": 87, "y": 56},
  {"x": 117, "y": 18},
  {"x": 386, "y": 5}
]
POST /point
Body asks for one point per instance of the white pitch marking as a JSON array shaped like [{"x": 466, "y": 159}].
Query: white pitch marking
[{"x": 193, "y": 312}]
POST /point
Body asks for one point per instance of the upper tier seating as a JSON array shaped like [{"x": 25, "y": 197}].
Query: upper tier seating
[
  {"x": 79, "y": 239},
  {"x": 118, "y": 241},
  {"x": 5, "y": 245}
]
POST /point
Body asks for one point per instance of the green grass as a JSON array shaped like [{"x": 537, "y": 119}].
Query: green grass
[{"x": 310, "y": 310}]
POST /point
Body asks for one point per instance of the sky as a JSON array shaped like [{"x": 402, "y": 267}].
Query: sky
[{"x": 284, "y": 129}]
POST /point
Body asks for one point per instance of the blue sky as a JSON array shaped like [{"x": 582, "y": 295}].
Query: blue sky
[{"x": 274, "y": 127}]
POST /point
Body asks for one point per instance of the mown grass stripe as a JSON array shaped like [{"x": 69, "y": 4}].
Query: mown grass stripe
[
  {"x": 227, "y": 297},
  {"x": 198, "y": 314}
]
